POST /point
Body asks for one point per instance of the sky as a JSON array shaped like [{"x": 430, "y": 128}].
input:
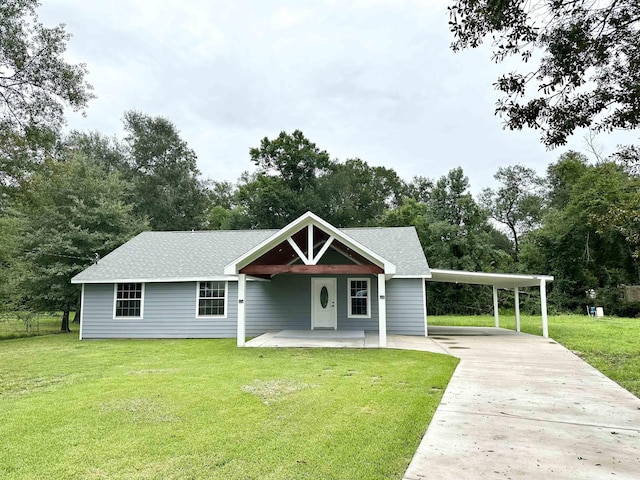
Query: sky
[{"x": 368, "y": 79}]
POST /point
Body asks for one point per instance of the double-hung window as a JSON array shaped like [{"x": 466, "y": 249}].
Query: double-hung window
[
  {"x": 212, "y": 299},
  {"x": 359, "y": 298},
  {"x": 128, "y": 301}
]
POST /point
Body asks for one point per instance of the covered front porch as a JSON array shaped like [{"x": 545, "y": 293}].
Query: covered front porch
[{"x": 322, "y": 258}]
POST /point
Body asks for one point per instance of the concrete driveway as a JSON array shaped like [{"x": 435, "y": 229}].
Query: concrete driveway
[{"x": 521, "y": 406}]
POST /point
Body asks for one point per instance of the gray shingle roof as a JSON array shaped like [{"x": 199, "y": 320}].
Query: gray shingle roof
[
  {"x": 399, "y": 245},
  {"x": 169, "y": 256}
]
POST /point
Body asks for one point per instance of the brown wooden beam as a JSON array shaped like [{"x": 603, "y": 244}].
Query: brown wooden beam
[{"x": 312, "y": 269}]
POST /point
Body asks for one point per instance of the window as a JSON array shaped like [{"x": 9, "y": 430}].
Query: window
[
  {"x": 128, "y": 303},
  {"x": 211, "y": 299},
  {"x": 359, "y": 299}
]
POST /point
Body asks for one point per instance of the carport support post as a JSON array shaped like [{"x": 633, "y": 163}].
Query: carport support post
[
  {"x": 496, "y": 316},
  {"x": 242, "y": 287},
  {"x": 543, "y": 308},
  {"x": 516, "y": 302},
  {"x": 382, "y": 310}
]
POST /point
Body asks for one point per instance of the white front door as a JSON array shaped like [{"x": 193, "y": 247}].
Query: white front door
[{"x": 324, "y": 313}]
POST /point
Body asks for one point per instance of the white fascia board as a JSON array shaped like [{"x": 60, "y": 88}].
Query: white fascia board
[
  {"x": 486, "y": 278},
  {"x": 218, "y": 278},
  {"x": 303, "y": 221}
]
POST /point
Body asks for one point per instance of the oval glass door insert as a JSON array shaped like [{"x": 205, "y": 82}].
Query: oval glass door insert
[{"x": 324, "y": 297}]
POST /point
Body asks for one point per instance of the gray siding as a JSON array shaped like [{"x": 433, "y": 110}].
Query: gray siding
[
  {"x": 346, "y": 323},
  {"x": 405, "y": 306},
  {"x": 169, "y": 312},
  {"x": 331, "y": 257},
  {"x": 283, "y": 303},
  {"x": 97, "y": 312}
]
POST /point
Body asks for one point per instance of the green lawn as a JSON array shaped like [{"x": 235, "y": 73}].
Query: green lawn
[
  {"x": 610, "y": 344},
  {"x": 145, "y": 409},
  {"x": 160, "y": 409}
]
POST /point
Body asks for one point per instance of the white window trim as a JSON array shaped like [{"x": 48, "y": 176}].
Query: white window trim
[
  {"x": 349, "y": 314},
  {"x": 115, "y": 301},
  {"x": 226, "y": 299}
]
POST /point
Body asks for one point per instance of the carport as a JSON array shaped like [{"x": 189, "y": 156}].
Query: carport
[{"x": 500, "y": 281}]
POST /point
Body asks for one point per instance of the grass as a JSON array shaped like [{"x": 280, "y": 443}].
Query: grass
[
  {"x": 25, "y": 324},
  {"x": 610, "y": 344},
  {"x": 162, "y": 409}
]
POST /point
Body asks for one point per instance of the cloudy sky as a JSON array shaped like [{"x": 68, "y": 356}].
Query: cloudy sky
[{"x": 373, "y": 79}]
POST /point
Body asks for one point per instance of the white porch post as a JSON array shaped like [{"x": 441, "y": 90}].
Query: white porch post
[
  {"x": 382, "y": 310},
  {"x": 543, "y": 308},
  {"x": 424, "y": 302},
  {"x": 516, "y": 302},
  {"x": 495, "y": 306},
  {"x": 242, "y": 287}
]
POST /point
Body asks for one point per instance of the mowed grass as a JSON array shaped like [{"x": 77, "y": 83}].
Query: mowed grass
[
  {"x": 610, "y": 344},
  {"x": 162, "y": 409}
]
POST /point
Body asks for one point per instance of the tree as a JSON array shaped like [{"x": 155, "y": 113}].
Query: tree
[
  {"x": 623, "y": 215},
  {"x": 268, "y": 202},
  {"x": 517, "y": 203},
  {"x": 458, "y": 233},
  {"x": 452, "y": 202},
  {"x": 454, "y": 234},
  {"x": 588, "y": 73},
  {"x": 562, "y": 176},
  {"x": 581, "y": 244},
  {"x": 36, "y": 83},
  {"x": 285, "y": 185},
  {"x": 419, "y": 189},
  {"x": 21, "y": 153},
  {"x": 293, "y": 158},
  {"x": 355, "y": 193},
  {"x": 69, "y": 211},
  {"x": 221, "y": 211},
  {"x": 164, "y": 174},
  {"x": 9, "y": 262},
  {"x": 108, "y": 152}
]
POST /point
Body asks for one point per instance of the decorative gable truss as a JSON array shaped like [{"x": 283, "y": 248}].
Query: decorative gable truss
[
  {"x": 300, "y": 246},
  {"x": 310, "y": 258}
]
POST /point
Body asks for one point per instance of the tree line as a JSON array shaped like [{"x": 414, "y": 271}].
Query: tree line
[
  {"x": 91, "y": 193},
  {"x": 68, "y": 199}
]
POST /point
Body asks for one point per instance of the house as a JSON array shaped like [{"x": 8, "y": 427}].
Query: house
[{"x": 309, "y": 275}]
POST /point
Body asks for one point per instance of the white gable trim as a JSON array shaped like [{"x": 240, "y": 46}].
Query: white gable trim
[{"x": 308, "y": 220}]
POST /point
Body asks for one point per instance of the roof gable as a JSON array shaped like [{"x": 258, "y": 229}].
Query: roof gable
[{"x": 308, "y": 253}]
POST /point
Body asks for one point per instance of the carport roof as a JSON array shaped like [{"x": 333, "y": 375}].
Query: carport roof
[{"x": 499, "y": 280}]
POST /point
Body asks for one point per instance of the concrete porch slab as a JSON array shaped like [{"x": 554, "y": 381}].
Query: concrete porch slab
[
  {"x": 321, "y": 334},
  {"x": 309, "y": 339},
  {"x": 343, "y": 339}
]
